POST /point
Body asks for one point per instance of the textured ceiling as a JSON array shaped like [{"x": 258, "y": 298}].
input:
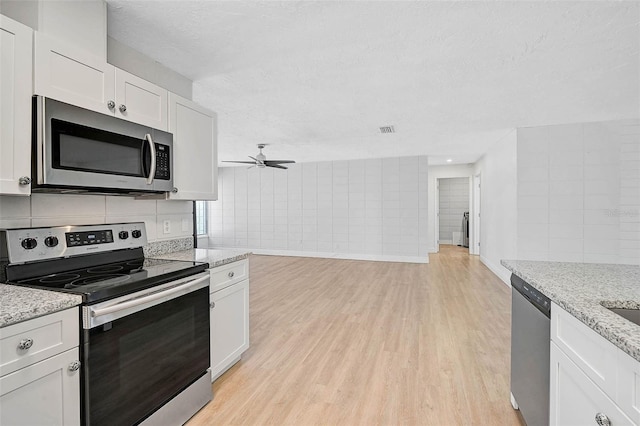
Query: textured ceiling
[{"x": 315, "y": 79}]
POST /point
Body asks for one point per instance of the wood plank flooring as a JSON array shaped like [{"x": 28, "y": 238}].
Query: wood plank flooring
[{"x": 342, "y": 342}]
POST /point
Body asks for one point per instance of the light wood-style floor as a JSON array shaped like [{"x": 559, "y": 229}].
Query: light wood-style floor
[{"x": 342, "y": 342}]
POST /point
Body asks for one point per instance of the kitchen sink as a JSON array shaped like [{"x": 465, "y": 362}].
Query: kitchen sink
[{"x": 632, "y": 315}]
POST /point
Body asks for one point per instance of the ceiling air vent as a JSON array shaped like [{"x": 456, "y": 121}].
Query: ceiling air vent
[{"x": 387, "y": 129}]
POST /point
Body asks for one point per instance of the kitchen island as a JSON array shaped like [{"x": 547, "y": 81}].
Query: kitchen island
[{"x": 586, "y": 290}]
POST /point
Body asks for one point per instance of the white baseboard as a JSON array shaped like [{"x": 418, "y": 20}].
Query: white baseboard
[
  {"x": 499, "y": 270},
  {"x": 371, "y": 257}
]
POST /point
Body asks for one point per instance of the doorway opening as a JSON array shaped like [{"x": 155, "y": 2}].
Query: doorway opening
[{"x": 453, "y": 207}]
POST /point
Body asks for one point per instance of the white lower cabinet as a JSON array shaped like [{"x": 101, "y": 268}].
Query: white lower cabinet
[
  {"x": 45, "y": 393},
  {"x": 592, "y": 382},
  {"x": 577, "y": 400},
  {"x": 40, "y": 371},
  {"x": 229, "y": 318}
]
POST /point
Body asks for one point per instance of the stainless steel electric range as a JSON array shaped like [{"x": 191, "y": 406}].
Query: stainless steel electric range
[{"x": 144, "y": 322}]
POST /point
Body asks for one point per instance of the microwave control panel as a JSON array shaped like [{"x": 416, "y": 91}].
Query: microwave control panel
[{"x": 163, "y": 162}]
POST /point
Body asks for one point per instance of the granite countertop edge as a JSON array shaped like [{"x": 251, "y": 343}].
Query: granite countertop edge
[
  {"x": 18, "y": 304},
  {"x": 214, "y": 257},
  {"x": 588, "y": 309}
]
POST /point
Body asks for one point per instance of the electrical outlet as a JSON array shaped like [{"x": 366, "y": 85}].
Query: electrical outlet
[{"x": 166, "y": 226}]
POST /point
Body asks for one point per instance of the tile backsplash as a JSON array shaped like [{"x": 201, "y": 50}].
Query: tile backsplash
[{"x": 66, "y": 209}]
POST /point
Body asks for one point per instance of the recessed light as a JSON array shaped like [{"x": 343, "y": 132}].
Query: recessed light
[{"x": 449, "y": 160}]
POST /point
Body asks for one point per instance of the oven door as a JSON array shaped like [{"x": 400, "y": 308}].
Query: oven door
[
  {"x": 141, "y": 350},
  {"x": 78, "y": 148}
]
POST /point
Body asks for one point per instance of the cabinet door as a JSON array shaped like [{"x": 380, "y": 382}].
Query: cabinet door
[
  {"x": 71, "y": 75},
  {"x": 575, "y": 399},
  {"x": 229, "y": 326},
  {"x": 45, "y": 393},
  {"x": 15, "y": 107},
  {"x": 195, "y": 150},
  {"x": 140, "y": 101}
]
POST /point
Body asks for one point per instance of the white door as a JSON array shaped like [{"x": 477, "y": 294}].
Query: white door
[
  {"x": 140, "y": 101},
  {"x": 195, "y": 150},
  {"x": 71, "y": 75},
  {"x": 44, "y": 393},
  {"x": 475, "y": 219},
  {"x": 15, "y": 107},
  {"x": 229, "y": 326}
]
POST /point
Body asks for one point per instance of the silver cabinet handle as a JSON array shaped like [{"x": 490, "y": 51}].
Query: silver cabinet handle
[
  {"x": 111, "y": 105},
  {"x": 602, "y": 419},
  {"x": 25, "y": 344},
  {"x": 122, "y": 108},
  {"x": 24, "y": 180},
  {"x": 74, "y": 366},
  {"x": 231, "y": 274},
  {"x": 212, "y": 305},
  {"x": 152, "y": 148}
]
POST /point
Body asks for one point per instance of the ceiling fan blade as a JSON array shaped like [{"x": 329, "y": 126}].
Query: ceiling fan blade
[
  {"x": 253, "y": 158},
  {"x": 279, "y": 162},
  {"x": 275, "y": 166},
  {"x": 240, "y": 162}
]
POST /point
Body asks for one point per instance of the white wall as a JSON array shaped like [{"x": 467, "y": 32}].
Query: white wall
[
  {"x": 579, "y": 192},
  {"x": 362, "y": 209},
  {"x": 453, "y": 202},
  {"x": 57, "y": 210},
  {"x": 435, "y": 173},
  {"x": 498, "y": 204}
]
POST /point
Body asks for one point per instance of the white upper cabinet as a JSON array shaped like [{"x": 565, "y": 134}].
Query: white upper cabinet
[
  {"x": 140, "y": 101},
  {"x": 195, "y": 150},
  {"x": 69, "y": 74},
  {"x": 15, "y": 107}
]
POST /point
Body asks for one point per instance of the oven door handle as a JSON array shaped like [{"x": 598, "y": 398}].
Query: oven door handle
[{"x": 146, "y": 299}]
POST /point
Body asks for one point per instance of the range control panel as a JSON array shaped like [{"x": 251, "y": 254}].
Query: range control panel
[{"x": 34, "y": 244}]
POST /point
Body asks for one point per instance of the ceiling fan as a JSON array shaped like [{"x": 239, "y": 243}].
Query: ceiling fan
[{"x": 261, "y": 161}]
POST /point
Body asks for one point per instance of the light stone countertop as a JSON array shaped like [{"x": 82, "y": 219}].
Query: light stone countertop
[
  {"x": 214, "y": 257},
  {"x": 585, "y": 290},
  {"x": 19, "y": 304}
]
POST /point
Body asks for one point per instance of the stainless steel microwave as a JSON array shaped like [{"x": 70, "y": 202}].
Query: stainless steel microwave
[{"x": 81, "y": 151}]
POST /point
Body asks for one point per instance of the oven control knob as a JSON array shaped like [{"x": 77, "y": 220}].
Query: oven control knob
[
  {"x": 123, "y": 235},
  {"x": 51, "y": 241},
  {"x": 29, "y": 243},
  {"x": 136, "y": 233}
]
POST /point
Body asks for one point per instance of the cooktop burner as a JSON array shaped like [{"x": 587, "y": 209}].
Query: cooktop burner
[
  {"x": 102, "y": 282},
  {"x": 98, "y": 262}
]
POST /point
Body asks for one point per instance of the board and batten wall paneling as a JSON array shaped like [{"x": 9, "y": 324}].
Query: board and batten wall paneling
[
  {"x": 579, "y": 192},
  {"x": 60, "y": 210},
  {"x": 362, "y": 209}
]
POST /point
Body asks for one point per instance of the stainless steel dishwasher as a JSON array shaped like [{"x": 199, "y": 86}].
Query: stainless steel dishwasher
[{"x": 530, "y": 343}]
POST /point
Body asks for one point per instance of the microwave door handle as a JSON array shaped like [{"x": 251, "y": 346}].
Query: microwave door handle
[{"x": 152, "y": 150}]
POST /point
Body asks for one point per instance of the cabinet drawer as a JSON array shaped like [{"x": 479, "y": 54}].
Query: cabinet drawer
[
  {"x": 591, "y": 352},
  {"x": 628, "y": 396},
  {"x": 225, "y": 275},
  {"x": 34, "y": 340}
]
